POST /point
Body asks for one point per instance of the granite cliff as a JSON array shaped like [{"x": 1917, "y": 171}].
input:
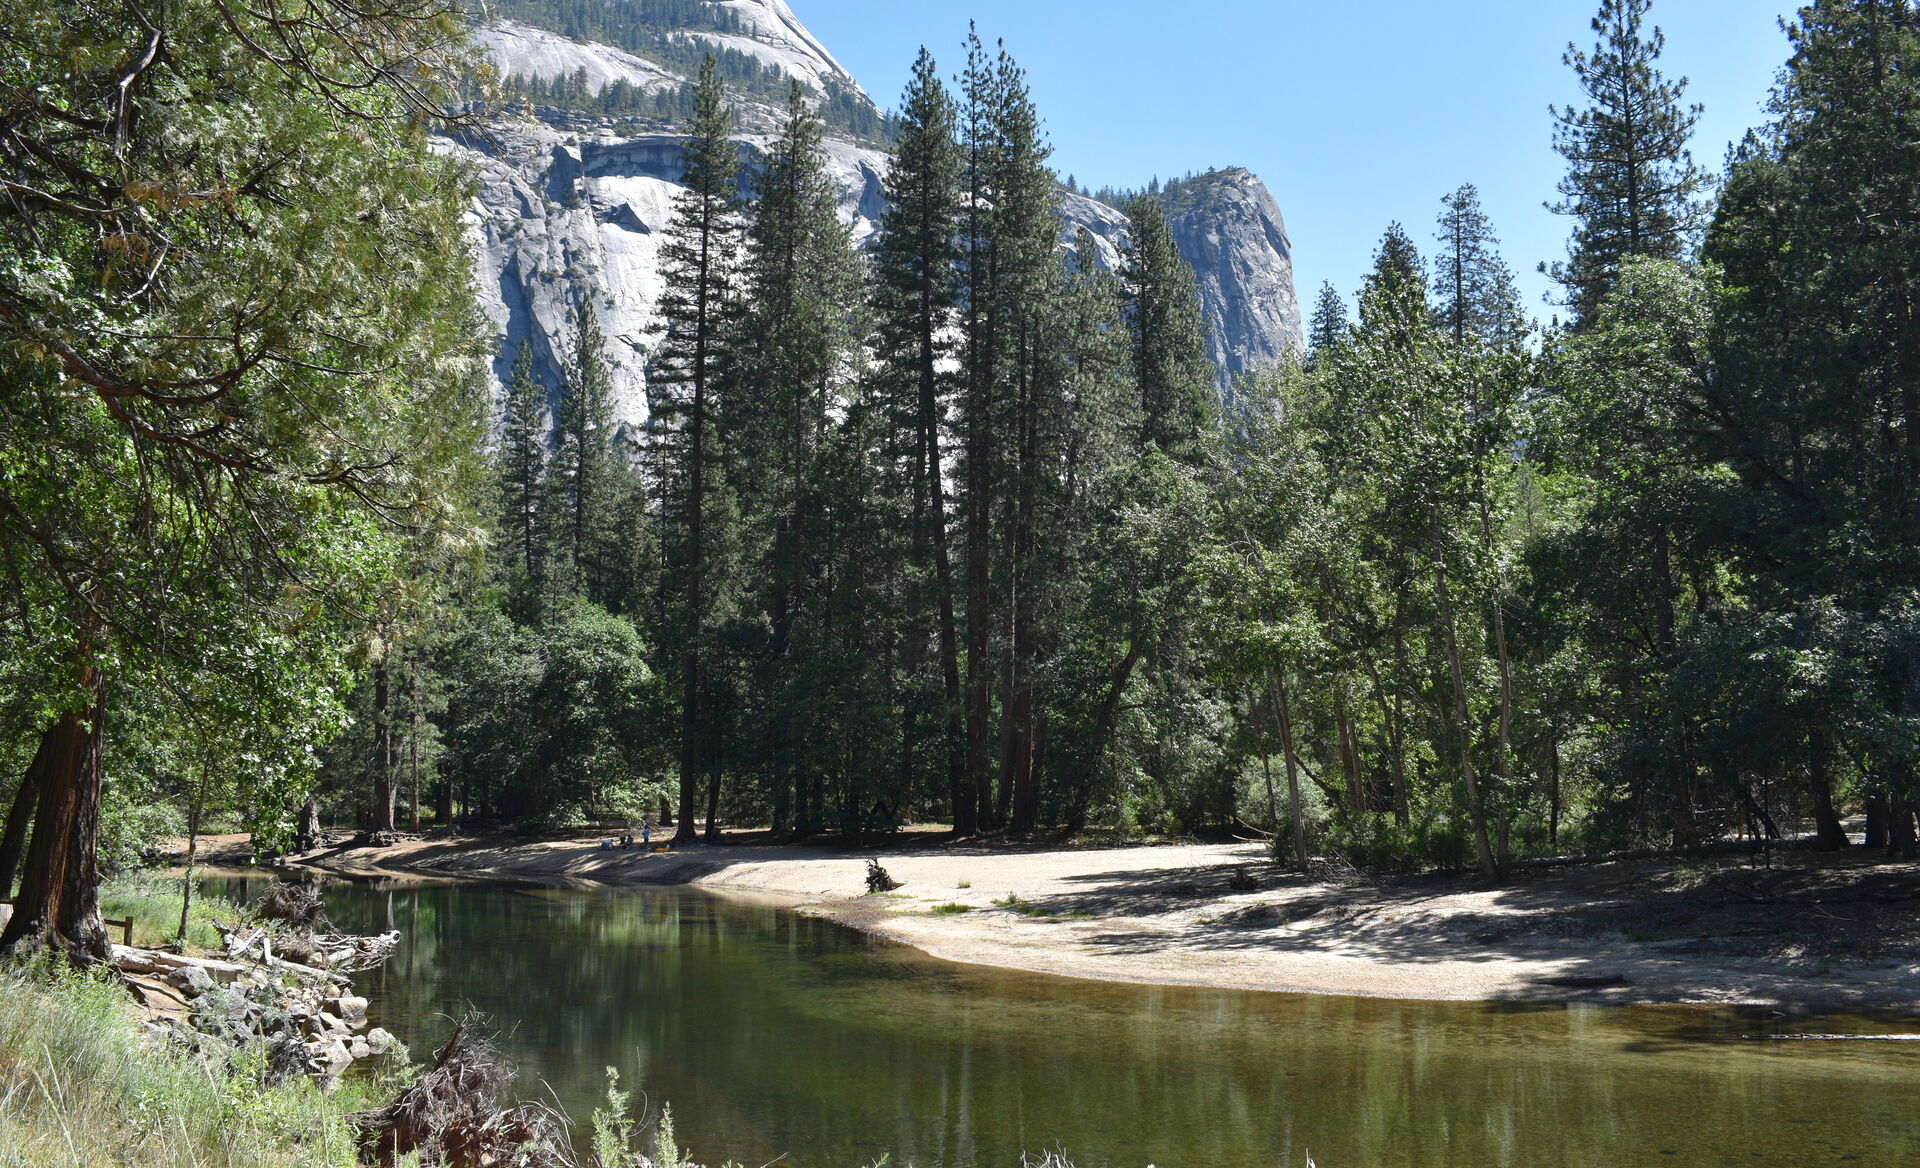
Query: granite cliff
[{"x": 573, "y": 199}]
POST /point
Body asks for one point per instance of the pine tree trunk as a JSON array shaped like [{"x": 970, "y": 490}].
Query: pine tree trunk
[{"x": 58, "y": 905}]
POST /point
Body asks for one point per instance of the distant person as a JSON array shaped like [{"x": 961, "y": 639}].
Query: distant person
[{"x": 646, "y": 835}]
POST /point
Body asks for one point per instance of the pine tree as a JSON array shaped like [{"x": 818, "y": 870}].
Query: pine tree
[
  {"x": 1473, "y": 288},
  {"x": 1817, "y": 386},
  {"x": 585, "y": 465},
  {"x": 1013, "y": 270},
  {"x": 1329, "y": 322},
  {"x": 522, "y": 469},
  {"x": 1631, "y": 185},
  {"x": 1175, "y": 375},
  {"x": 916, "y": 294},
  {"x": 686, "y": 441},
  {"x": 796, "y": 351},
  {"x": 1396, "y": 264}
]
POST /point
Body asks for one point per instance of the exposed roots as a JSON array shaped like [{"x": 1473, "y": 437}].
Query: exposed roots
[{"x": 452, "y": 1114}]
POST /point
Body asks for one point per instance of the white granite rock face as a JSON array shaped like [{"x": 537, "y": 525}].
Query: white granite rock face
[
  {"x": 565, "y": 213},
  {"x": 1230, "y": 229}
]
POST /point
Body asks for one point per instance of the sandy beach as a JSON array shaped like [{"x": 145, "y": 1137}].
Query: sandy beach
[{"x": 1793, "y": 935}]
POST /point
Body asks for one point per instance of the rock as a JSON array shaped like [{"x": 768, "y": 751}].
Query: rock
[
  {"x": 359, "y": 1048},
  {"x": 379, "y": 1041},
  {"x": 329, "y": 1060},
  {"x": 568, "y": 206},
  {"x": 1230, "y": 229},
  {"x": 348, "y": 1008},
  {"x": 191, "y": 980}
]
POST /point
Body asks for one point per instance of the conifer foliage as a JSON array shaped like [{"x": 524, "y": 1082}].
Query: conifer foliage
[{"x": 1631, "y": 186}]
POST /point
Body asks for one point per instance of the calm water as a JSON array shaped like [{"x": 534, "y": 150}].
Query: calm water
[{"x": 773, "y": 1034}]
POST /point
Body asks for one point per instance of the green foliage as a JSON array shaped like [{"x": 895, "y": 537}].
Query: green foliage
[
  {"x": 1631, "y": 185},
  {"x": 152, "y": 901}
]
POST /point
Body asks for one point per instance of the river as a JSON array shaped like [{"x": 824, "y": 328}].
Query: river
[{"x": 772, "y": 1034}]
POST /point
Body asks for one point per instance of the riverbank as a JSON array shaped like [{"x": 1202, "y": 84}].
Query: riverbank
[{"x": 1807, "y": 931}]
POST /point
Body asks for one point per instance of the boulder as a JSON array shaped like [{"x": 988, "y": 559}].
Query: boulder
[{"x": 192, "y": 980}]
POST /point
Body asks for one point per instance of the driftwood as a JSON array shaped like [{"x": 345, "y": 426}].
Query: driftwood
[
  {"x": 451, "y": 1115},
  {"x": 328, "y": 957},
  {"x": 160, "y": 963},
  {"x": 877, "y": 878},
  {"x": 296, "y": 904}
]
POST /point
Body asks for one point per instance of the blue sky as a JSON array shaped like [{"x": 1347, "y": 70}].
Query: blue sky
[{"x": 1355, "y": 114}]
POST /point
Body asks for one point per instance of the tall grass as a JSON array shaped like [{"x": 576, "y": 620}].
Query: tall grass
[
  {"x": 153, "y": 901},
  {"x": 82, "y": 1087}
]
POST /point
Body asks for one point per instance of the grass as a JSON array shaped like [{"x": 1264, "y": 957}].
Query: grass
[
  {"x": 1023, "y": 907},
  {"x": 153, "y": 901},
  {"x": 949, "y": 910},
  {"x": 964, "y": 884},
  {"x": 82, "y": 1087}
]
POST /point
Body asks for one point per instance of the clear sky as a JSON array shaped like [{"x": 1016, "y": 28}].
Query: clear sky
[{"x": 1355, "y": 114}]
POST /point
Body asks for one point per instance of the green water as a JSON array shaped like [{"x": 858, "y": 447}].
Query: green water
[{"x": 773, "y": 1034}]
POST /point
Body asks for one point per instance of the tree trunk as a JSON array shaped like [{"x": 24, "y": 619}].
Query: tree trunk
[
  {"x": 1482, "y": 849},
  {"x": 1901, "y": 840},
  {"x": 58, "y": 906},
  {"x": 955, "y": 719},
  {"x": 383, "y": 793},
  {"x": 307, "y": 837},
  {"x": 1277, "y": 702},
  {"x": 186, "y": 882},
  {"x": 14, "y": 843},
  {"x": 713, "y": 806},
  {"x": 1103, "y": 724},
  {"x": 1876, "y": 834},
  {"x": 1553, "y": 792},
  {"x": 413, "y": 747},
  {"x": 1829, "y": 834},
  {"x": 1357, "y": 801},
  {"x": 1266, "y": 773},
  {"x": 1686, "y": 831}
]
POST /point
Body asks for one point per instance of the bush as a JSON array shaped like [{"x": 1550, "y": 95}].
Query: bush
[{"x": 1376, "y": 842}]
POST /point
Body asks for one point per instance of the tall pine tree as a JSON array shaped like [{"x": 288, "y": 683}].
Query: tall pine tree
[
  {"x": 521, "y": 478},
  {"x": 686, "y": 442},
  {"x": 1175, "y": 375},
  {"x": 1473, "y": 290},
  {"x": 1329, "y": 322},
  {"x": 1631, "y": 185},
  {"x": 916, "y": 294},
  {"x": 797, "y": 349}
]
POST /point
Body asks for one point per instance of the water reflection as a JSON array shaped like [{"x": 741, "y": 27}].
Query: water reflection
[{"x": 773, "y": 1034}]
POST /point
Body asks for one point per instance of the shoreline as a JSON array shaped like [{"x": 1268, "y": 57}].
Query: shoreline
[{"x": 1165, "y": 915}]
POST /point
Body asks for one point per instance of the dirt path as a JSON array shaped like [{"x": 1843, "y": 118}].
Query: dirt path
[{"x": 1800, "y": 933}]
